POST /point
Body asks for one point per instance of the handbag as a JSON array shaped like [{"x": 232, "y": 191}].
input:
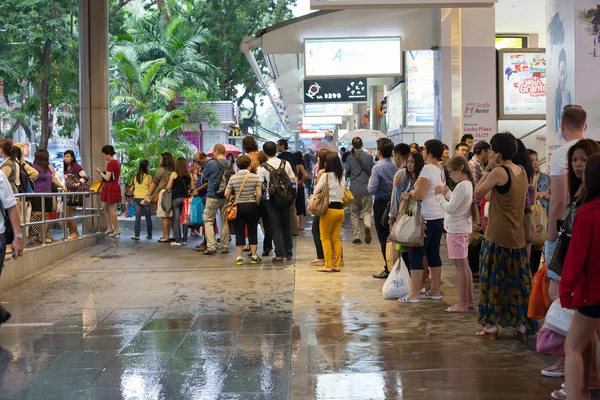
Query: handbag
[
  {"x": 320, "y": 201},
  {"x": 408, "y": 230},
  {"x": 166, "y": 201},
  {"x": 97, "y": 186},
  {"x": 348, "y": 197},
  {"x": 197, "y": 211},
  {"x": 537, "y": 307},
  {"x": 559, "y": 253},
  {"x": 130, "y": 188},
  {"x": 230, "y": 206},
  {"x": 558, "y": 319},
  {"x": 541, "y": 225}
]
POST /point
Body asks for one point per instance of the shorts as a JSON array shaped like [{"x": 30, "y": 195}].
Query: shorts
[
  {"x": 434, "y": 230},
  {"x": 590, "y": 311},
  {"x": 458, "y": 245}
]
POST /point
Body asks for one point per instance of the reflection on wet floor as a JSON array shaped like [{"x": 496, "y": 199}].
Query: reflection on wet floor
[{"x": 141, "y": 320}]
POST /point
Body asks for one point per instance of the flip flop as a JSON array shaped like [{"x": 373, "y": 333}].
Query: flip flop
[
  {"x": 430, "y": 297},
  {"x": 423, "y": 290},
  {"x": 405, "y": 299},
  {"x": 449, "y": 310}
]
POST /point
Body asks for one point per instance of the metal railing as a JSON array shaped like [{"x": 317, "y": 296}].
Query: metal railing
[
  {"x": 26, "y": 197},
  {"x": 532, "y": 132}
]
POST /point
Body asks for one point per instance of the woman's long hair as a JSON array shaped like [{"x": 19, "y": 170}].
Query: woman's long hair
[
  {"x": 322, "y": 155},
  {"x": 167, "y": 161},
  {"x": 589, "y": 147},
  {"x": 419, "y": 162},
  {"x": 333, "y": 164},
  {"x": 459, "y": 163},
  {"x": 300, "y": 158},
  {"x": 523, "y": 159},
  {"x": 7, "y": 148},
  {"x": 42, "y": 159},
  {"x": 592, "y": 183},
  {"x": 73, "y": 159},
  {"x": 181, "y": 168},
  {"x": 143, "y": 170}
]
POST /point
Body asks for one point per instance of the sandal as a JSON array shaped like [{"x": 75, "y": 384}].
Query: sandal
[
  {"x": 406, "y": 299},
  {"x": 317, "y": 261},
  {"x": 429, "y": 296},
  {"x": 450, "y": 310},
  {"x": 487, "y": 335}
]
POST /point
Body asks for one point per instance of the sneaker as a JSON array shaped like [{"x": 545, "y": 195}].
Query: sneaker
[
  {"x": 183, "y": 242},
  {"x": 555, "y": 371},
  {"x": 239, "y": 261},
  {"x": 175, "y": 243},
  {"x": 383, "y": 275},
  {"x": 289, "y": 257},
  {"x": 356, "y": 241},
  {"x": 149, "y": 237},
  {"x": 255, "y": 260},
  {"x": 209, "y": 252},
  {"x": 135, "y": 238},
  {"x": 277, "y": 259},
  {"x": 368, "y": 236}
]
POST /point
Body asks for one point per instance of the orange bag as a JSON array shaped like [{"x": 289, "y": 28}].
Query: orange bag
[{"x": 538, "y": 306}]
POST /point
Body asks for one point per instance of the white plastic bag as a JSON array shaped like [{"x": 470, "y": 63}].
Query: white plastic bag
[
  {"x": 397, "y": 285},
  {"x": 558, "y": 319}
]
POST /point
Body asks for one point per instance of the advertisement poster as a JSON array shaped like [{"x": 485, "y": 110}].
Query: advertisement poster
[
  {"x": 395, "y": 110},
  {"x": 560, "y": 71},
  {"x": 523, "y": 85},
  {"x": 419, "y": 88},
  {"x": 335, "y": 90},
  {"x": 328, "y": 109}
]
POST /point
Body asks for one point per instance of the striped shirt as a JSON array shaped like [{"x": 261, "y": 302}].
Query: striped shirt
[{"x": 248, "y": 195}]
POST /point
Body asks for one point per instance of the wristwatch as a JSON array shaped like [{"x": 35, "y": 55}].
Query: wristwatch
[
  {"x": 18, "y": 236},
  {"x": 488, "y": 169}
]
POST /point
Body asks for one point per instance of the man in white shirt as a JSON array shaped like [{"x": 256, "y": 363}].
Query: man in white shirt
[
  {"x": 573, "y": 125},
  {"x": 9, "y": 206},
  {"x": 279, "y": 217}
]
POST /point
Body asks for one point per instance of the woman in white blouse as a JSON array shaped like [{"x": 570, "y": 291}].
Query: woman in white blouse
[{"x": 330, "y": 224}]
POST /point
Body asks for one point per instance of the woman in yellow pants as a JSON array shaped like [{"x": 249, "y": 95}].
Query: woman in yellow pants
[{"x": 330, "y": 224}]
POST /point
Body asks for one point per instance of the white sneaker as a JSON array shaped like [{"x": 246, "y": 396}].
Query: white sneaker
[{"x": 175, "y": 244}]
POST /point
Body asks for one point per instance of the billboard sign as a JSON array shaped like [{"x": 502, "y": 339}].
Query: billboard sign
[
  {"x": 522, "y": 84},
  {"x": 419, "y": 88},
  {"x": 328, "y": 109},
  {"x": 335, "y": 90},
  {"x": 355, "y": 57}
]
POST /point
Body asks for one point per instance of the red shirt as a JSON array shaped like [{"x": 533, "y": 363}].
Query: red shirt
[{"x": 580, "y": 277}]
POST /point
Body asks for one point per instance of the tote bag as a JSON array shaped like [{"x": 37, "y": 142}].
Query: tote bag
[
  {"x": 197, "y": 211},
  {"x": 320, "y": 201},
  {"x": 408, "y": 230}
]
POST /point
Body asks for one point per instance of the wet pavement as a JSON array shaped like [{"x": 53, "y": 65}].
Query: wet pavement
[{"x": 143, "y": 320}]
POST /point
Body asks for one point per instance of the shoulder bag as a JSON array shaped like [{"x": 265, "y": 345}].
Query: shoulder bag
[
  {"x": 320, "y": 201},
  {"x": 129, "y": 189},
  {"x": 408, "y": 230},
  {"x": 230, "y": 207},
  {"x": 360, "y": 163},
  {"x": 559, "y": 254}
]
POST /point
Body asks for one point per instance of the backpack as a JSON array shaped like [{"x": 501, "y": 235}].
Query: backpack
[
  {"x": 26, "y": 185},
  {"x": 281, "y": 191},
  {"x": 224, "y": 175}
]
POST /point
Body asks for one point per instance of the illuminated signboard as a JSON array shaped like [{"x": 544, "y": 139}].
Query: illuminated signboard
[
  {"x": 327, "y": 109},
  {"x": 522, "y": 84},
  {"x": 321, "y": 120},
  {"x": 395, "y": 110},
  {"x": 510, "y": 43},
  {"x": 419, "y": 88},
  {"x": 356, "y": 57},
  {"x": 335, "y": 90}
]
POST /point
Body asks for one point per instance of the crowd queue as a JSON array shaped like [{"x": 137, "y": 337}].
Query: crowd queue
[{"x": 485, "y": 200}]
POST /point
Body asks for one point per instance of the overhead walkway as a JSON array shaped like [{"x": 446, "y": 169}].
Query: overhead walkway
[{"x": 143, "y": 320}]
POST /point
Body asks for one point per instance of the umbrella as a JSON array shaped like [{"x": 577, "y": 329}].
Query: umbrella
[
  {"x": 229, "y": 149},
  {"x": 318, "y": 146},
  {"x": 368, "y": 136}
]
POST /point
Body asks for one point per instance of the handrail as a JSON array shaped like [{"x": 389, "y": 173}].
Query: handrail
[
  {"x": 532, "y": 132},
  {"x": 84, "y": 216}
]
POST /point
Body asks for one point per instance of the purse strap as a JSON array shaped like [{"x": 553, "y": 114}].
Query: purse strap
[{"x": 237, "y": 196}]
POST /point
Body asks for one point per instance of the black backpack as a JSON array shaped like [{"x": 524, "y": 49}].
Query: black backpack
[
  {"x": 26, "y": 185},
  {"x": 226, "y": 173},
  {"x": 281, "y": 192}
]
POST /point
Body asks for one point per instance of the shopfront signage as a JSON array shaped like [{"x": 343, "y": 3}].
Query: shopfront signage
[
  {"x": 355, "y": 57},
  {"x": 319, "y": 127},
  {"x": 321, "y": 120},
  {"x": 419, "y": 88},
  {"x": 328, "y": 109},
  {"x": 348, "y": 4},
  {"x": 335, "y": 90},
  {"x": 522, "y": 84},
  {"x": 395, "y": 110}
]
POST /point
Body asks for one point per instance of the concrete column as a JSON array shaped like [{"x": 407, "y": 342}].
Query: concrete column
[
  {"x": 93, "y": 82},
  {"x": 465, "y": 75},
  {"x": 572, "y": 61}
]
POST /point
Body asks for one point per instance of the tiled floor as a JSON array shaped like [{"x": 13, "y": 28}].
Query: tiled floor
[{"x": 142, "y": 320}]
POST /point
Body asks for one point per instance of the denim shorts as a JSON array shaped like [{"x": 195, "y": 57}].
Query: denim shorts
[
  {"x": 434, "y": 229},
  {"x": 548, "y": 248}
]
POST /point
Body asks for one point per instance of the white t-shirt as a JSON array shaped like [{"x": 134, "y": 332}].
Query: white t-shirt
[
  {"x": 265, "y": 175},
  {"x": 336, "y": 188},
  {"x": 458, "y": 210},
  {"x": 559, "y": 165},
  {"x": 430, "y": 208},
  {"x": 7, "y": 197}
]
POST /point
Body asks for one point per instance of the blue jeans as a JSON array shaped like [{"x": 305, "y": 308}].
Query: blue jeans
[
  {"x": 176, "y": 223},
  {"x": 139, "y": 211}
]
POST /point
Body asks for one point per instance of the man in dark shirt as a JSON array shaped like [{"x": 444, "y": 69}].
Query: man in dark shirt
[
  {"x": 285, "y": 154},
  {"x": 345, "y": 154}
]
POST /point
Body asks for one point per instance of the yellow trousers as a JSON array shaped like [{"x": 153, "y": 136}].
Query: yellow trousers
[{"x": 330, "y": 228}]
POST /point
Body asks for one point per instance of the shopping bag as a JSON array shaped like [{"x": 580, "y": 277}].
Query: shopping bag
[
  {"x": 537, "y": 307},
  {"x": 408, "y": 230},
  {"x": 540, "y": 234},
  {"x": 558, "y": 319},
  {"x": 185, "y": 211},
  {"x": 96, "y": 186},
  {"x": 397, "y": 284},
  {"x": 130, "y": 209},
  {"x": 550, "y": 342},
  {"x": 197, "y": 211}
]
